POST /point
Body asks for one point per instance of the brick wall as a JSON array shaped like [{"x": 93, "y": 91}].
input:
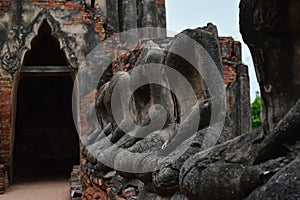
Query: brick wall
[
  {"x": 87, "y": 15},
  {"x": 5, "y": 5},
  {"x": 3, "y": 179},
  {"x": 231, "y": 57},
  {"x": 88, "y": 186},
  {"x": 57, "y": 4},
  {"x": 236, "y": 79},
  {"x": 160, "y": 2},
  {"x": 106, "y": 185},
  {"x": 5, "y": 123},
  {"x": 85, "y": 102}
]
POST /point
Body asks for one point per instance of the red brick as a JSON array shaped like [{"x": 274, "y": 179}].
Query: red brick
[
  {"x": 119, "y": 198},
  {"x": 5, "y": 5}
]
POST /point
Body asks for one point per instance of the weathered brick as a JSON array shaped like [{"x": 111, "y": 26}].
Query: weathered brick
[{"x": 5, "y": 5}]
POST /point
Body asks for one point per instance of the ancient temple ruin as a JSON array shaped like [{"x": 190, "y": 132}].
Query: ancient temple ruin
[{"x": 50, "y": 120}]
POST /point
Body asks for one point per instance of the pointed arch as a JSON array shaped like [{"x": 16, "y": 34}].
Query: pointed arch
[
  {"x": 13, "y": 52},
  {"x": 66, "y": 43},
  {"x": 45, "y": 49}
]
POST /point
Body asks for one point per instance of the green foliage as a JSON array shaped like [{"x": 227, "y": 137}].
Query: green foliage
[{"x": 255, "y": 112}]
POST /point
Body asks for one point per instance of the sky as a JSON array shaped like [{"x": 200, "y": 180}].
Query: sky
[{"x": 183, "y": 14}]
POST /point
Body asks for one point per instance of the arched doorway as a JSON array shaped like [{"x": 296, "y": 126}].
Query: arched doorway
[{"x": 46, "y": 141}]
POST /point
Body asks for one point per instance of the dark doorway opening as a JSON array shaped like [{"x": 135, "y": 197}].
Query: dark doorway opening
[
  {"x": 46, "y": 143},
  {"x": 45, "y": 49},
  {"x": 46, "y": 140}
]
